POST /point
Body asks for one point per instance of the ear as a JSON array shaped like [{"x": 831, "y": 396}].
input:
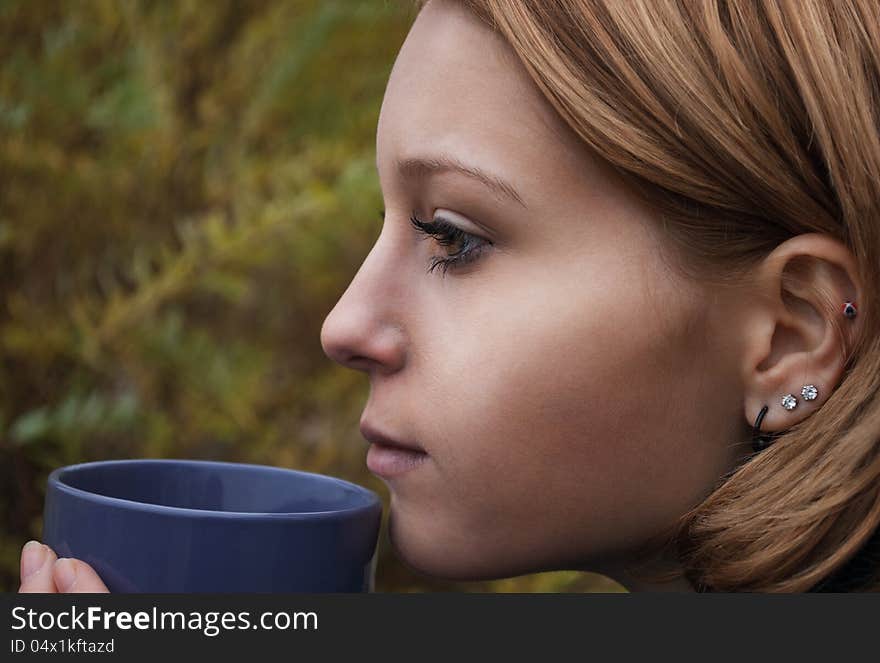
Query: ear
[{"x": 795, "y": 331}]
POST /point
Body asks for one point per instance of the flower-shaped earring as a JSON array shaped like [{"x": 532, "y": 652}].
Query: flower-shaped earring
[{"x": 789, "y": 402}]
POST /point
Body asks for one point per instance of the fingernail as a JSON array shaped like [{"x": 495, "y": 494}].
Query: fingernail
[
  {"x": 33, "y": 556},
  {"x": 65, "y": 573}
]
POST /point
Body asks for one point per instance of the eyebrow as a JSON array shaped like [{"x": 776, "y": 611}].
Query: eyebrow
[{"x": 419, "y": 167}]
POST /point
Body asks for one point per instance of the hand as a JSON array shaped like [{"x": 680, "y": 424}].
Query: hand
[{"x": 42, "y": 572}]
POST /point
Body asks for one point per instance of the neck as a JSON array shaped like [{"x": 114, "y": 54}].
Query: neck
[
  {"x": 633, "y": 584},
  {"x": 637, "y": 578}
]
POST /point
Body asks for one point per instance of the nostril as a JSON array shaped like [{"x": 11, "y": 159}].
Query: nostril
[
  {"x": 359, "y": 362},
  {"x": 364, "y": 348},
  {"x": 345, "y": 357},
  {"x": 335, "y": 350},
  {"x": 341, "y": 345}
]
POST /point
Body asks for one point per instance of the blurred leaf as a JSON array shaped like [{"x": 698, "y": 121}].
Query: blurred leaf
[{"x": 31, "y": 426}]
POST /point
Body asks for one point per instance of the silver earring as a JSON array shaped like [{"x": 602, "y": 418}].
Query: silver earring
[
  {"x": 809, "y": 392},
  {"x": 789, "y": 402}
]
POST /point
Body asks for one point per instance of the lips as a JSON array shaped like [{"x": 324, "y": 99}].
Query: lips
[
  {"x": 375, "y": 436},
  {"x": 388, "y": 457}
]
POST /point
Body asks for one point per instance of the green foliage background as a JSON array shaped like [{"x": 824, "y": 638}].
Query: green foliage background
[{"x": 186, "y": 188}]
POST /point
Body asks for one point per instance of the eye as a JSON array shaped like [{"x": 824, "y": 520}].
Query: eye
[{"x": 466, "y": 248}]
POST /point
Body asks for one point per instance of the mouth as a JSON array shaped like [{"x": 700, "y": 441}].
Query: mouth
[{"x": 388, "y": 457}]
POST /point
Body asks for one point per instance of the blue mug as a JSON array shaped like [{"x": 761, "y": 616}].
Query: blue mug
[{"x": 168, "y": 525}]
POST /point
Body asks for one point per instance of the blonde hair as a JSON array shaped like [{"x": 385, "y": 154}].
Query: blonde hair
[{"x": 744, "y": 124}]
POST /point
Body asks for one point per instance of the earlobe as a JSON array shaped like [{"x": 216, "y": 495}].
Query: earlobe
[
  {"x": 761, "y": 439},
  {"x": 799, "y": 332}
]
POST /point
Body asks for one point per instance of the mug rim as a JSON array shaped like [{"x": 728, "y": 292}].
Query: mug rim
[{"x": 56, "y": 482}]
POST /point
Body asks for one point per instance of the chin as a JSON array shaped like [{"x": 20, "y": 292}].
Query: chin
[{"x": 430, "y": 553}]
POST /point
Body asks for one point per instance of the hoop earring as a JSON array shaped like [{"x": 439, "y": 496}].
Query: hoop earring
[{"x": 761, "y": 441}]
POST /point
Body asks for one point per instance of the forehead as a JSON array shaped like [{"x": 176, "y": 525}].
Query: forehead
[{"x": 457, "y": 87}]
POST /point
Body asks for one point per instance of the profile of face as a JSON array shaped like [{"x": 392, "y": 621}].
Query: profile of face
[{"x": 568, "y": 388}]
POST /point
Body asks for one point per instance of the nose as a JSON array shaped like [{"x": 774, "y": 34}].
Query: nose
[{"x": 364, "y": 331}]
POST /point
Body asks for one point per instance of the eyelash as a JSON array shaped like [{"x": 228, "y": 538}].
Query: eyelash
[{"x": 447, "y": 234}]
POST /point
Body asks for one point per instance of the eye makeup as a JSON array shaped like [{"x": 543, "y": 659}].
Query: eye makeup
[{"x": 466, "y": 247}]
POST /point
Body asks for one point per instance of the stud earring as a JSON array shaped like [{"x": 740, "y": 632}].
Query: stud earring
[
  {"x": 789, "y": 402},
  {"x": 809, "y": 392},
  {"x": 849, "y": 310}
]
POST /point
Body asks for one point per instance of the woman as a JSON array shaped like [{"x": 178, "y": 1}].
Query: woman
[{"x": 641, "y": 337}]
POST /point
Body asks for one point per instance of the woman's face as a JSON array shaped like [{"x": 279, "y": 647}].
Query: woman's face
[{"x": 572, "y": 394}]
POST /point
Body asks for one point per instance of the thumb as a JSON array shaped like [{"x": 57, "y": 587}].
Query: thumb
[
  {"x": 37, "y": 560},
  {"x": 73, "y": 576}
]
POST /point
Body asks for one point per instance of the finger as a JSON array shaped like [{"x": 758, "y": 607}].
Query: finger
[
  {"x": 74, "y": 576},
  {"x": 36, "y": 569}
]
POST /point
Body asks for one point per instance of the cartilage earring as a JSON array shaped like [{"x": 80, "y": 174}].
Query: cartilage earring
[
  {"x": 789, "y": 402},
  {"x": 809, "y": 392},
  {"x": 849, "y": 310}
]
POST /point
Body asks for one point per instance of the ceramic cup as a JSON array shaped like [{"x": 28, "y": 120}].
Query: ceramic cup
[{"x": 188, "y": 526}]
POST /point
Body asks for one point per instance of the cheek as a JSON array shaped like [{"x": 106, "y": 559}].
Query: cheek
[
  {"x": 575, "y": 402},
  {"x": 561, "y": 414}
]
